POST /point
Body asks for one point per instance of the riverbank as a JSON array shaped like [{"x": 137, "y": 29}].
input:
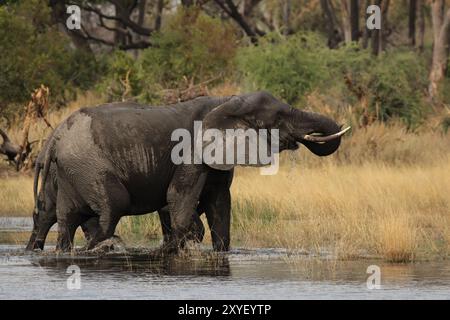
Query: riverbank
[
  {"x": 384, "y": 193},
  {"x": 398, "y": 213}
]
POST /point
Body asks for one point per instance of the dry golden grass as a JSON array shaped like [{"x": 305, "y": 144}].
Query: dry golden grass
[
  {"x": 384, "y": 193},
  {"x": 16, "y": 196},
  {"x": 397, "y": 212}
]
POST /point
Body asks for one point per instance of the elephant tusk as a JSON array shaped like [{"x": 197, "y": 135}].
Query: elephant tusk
[{"x": 325, "y": 138}]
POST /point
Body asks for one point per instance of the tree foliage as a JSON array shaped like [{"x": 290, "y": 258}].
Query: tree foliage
[{"x": 33, "y": 52}]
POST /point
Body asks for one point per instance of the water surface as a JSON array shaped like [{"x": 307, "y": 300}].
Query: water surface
[{"x": 241, "y": 274}]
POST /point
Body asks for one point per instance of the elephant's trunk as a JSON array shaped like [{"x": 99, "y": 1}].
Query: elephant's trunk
[
  {"x": 320, "y": 134},
  {"x": 10, "y": 149}
]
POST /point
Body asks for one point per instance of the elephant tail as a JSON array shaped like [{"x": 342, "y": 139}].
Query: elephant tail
[
  {"x": 37, "y": 171},
  {"x": 49, "y": 157}
]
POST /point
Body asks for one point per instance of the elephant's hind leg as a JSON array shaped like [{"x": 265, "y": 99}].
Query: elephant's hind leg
[{"x": 110, "y": 201}]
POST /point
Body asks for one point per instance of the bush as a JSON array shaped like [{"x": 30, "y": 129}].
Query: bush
[
  {"x": 33, "y": 52},
  {"x": 393, "y": 84},
  {"x": 288, "y": 68},
  {"x": 191, "y": 47},
  {"x": 123, "y": 77}
]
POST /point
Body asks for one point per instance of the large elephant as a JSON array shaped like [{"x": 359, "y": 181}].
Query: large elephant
[
  {"x": 44, "y": 213},
  {"x": 112, "y": 161}
]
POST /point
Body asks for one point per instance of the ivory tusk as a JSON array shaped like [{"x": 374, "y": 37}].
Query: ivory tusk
[{"x": 325, "y": 138}]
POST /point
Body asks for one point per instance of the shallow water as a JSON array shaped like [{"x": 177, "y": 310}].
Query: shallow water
[
  {"x": 10, "y": 224},
  {"x": 241, "y": 274}
]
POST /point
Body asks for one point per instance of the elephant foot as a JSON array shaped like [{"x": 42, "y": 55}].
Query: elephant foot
[
  {"x": 113, "y": 244},
  {"x": 36, "y": 246}
]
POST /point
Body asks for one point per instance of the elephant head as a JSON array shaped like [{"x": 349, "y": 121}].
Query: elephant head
[{"x": 320, "y": 134}]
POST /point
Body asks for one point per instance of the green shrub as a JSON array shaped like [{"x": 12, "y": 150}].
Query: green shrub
[
  {"x": 288, "y": 68},
  {"x": 33, "y": 52},
  {"x": 191, "y": 47},
  {"x": 394, "y": 83},
  {"x": 123, "y": 77}
]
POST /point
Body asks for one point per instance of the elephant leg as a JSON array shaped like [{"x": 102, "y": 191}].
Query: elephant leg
[
  {"x": 66, "y": 231},
  {"x": 110, "y": 204},
  {"x": 107, "y": 225},
  {"x": 196, "y": 230},
  {"x": 90, "y": 228},
  {"x": 182, "y": 197},
  {"x": 164, "y": 218},
  {"x": 216, "y": 199},
  {"x": 69, "y": 218},
  {"x": 44, "y": 229},
  {"x": 218, "y": 212},
  {"x": 42, "y": 224}
]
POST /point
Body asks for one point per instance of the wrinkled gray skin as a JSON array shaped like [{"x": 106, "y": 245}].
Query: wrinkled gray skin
[
  {"x": 116, "y": 161},
  {"x": 44, "y": 216}
]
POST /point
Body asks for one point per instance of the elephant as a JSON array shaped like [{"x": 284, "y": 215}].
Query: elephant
[
  {"x": 116, "y": 159},
  {"x": 44, "y": 215}
]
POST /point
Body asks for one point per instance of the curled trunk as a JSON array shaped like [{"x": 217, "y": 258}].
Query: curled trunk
[{"x": 307, "y": 123}]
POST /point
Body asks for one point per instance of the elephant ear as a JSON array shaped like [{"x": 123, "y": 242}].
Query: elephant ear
[{"x": 231, "y": 136}]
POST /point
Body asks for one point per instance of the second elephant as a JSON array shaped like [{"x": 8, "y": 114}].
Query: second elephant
[{"x": 114, "y": 160}]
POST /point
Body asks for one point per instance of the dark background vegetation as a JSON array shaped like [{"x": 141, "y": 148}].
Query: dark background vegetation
[{"x": 163, "y": 51}]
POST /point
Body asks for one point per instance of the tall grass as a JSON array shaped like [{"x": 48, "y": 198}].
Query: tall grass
[
  {"x": 384, "y": 193},
  {"x": 16, "y": 196},
  {"x": 395, "y": 212}
]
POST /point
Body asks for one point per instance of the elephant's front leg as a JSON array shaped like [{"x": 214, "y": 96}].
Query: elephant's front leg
[
  {"x": 218, "y": 212},
  {"x": 182, "y": 198},
  {"x": 196, "y": 230}
]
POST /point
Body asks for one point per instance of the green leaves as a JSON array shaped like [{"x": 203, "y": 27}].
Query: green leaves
[
  {"x": 394, "y": 83},
  {"x": 34, "y": 52},
  {"x": 192, "y": 47},
  {"x": 288, "y": 68}
]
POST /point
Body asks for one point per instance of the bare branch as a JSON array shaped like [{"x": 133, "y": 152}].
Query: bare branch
[
  {"x": 230, "y": 9},
  {"x": 126, "y": 21}
]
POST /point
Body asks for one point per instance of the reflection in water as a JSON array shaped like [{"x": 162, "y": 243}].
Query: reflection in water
[
  {"x": 241, "y": 274},
  {"x": 206, "y": 265}
]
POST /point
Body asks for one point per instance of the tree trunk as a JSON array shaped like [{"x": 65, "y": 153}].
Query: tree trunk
[
  {"x": 441, "y": 36},
  {"x": 158, "y": 17},
  {"x": 412, "y": 21},
  {"x": 379, "y": 36},
  {"x": 354, "y": 19},
  {"x": 421, "y": 25},
  {"x": 59, "y": 16},
  {"x": 376, "y": 34},
  {"x": 346, "y": 25},
  {"x": 333, "y": 28},
  {"x": 367, "y": 32},
  {"x": 287, "y": 17},
  {"x": 142, "y": 10},
  {"x": 384, "y": 26},
  {"x": 350, "y": 20},
  {"x": 119, "y": 37}
]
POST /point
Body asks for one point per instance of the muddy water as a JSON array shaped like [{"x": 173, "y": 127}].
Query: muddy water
[{"x": 241, "y": 274}]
